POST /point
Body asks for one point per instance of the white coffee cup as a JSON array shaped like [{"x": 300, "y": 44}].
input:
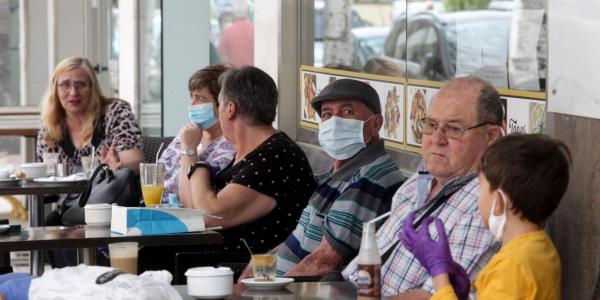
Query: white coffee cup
[
  {"x": 98, "y": 214},
  {"x": 209, "y": 282},
  {"x": 35, "y": 170}
]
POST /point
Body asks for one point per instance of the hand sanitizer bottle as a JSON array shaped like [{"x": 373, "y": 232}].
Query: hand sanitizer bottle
[{"x": 369, "y": 264}]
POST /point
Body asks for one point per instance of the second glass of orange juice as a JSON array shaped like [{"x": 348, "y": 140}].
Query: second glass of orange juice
[{"x": 152, "y": 178}]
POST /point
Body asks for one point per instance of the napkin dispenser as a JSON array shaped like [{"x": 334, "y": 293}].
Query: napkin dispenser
[{"x": 146, "y": 221}]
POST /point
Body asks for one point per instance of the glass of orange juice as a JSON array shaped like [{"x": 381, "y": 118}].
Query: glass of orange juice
[{"x": 152, "y": 178}]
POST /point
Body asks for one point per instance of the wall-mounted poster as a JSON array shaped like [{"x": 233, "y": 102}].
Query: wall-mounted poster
[
  {"x": 525, "y": 115},
  {"x": 393, "y": 112},
  {"x": 309, "y": 91},
  {"x": 419, "y": 98},
  {"x": 391, "y": 99}
]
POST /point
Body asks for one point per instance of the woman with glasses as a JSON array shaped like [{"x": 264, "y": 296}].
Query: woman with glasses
[{"x": 77, "y": 122}]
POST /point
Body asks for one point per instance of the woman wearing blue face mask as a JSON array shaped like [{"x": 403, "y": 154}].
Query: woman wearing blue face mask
[{"x": 203, "y": 125}]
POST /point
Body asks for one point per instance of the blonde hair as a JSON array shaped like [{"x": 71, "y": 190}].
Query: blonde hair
[{"x": 53, "y": 115}]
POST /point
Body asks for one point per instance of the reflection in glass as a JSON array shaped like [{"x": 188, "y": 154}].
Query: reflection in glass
[
  {"x": 232, "y": 32},
  {"x": 501, "y": 41},
  {"x": 9, "y": 53},
  {"x": 151, "y": 70}
]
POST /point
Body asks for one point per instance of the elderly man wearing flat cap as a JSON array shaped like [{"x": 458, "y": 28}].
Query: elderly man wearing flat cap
[{"x": 358, "y": 188}]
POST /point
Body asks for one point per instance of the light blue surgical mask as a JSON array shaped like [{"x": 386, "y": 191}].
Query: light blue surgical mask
[
  {"x": 342, "y": 138},
  {"x": 203, "y": 115}
]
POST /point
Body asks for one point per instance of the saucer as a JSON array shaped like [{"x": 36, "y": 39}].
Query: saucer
[{"x": 279, "y": 283}]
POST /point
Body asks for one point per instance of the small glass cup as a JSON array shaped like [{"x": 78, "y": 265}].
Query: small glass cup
[
  {"x": 124, "y": 256},
  {"x": 264, "y": 267},
  {"x": 152, "y": 179},
  {"x": 51, "y": 159},
  {"x": 63, "y": 170},
  {"x": 88, "y": 166}
]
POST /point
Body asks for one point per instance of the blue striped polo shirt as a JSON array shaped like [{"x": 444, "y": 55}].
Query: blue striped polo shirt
[{"x": 359, "y": 191}]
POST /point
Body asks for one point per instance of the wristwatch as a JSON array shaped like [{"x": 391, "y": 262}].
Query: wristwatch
[
  {"x": 195, "y": 166},
  {"x": 188, "y": 152}
]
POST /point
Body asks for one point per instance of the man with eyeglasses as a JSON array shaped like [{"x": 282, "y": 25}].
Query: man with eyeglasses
[{"x": 464, "y": 118}]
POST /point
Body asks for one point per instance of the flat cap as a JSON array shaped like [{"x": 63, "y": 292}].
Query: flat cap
[{"x": 348, "y": 89}]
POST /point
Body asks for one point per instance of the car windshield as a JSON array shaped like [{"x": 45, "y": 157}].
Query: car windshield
[{"x": 373, "y": 44}]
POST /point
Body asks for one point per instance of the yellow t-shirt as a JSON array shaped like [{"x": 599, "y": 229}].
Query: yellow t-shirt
[{"x": 528, "y": 267}]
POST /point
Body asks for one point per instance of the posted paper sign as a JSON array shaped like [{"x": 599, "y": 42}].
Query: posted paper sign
[{"x": 146, "y": 221}]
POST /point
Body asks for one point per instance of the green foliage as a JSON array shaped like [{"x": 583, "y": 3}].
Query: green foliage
[{"x": 458, "y": 5}]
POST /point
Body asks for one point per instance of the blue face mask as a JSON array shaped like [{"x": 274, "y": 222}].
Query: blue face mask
[
  {"x": 341, "y": 138},
  {"x": 203, "y": 115}
]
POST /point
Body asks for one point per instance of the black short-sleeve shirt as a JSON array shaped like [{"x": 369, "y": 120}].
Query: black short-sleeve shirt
[{"x": 277, "y": 168}]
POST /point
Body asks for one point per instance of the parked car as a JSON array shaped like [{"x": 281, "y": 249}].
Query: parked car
[{"x": 426, "y": 45}]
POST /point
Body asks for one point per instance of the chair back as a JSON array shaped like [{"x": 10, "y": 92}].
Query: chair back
[
  {"x": 319, "y": 161},
  {"x": 151, "y": 145}
]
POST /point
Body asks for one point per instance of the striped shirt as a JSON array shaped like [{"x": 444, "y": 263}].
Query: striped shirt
[
  {"x": 471, "y": 244},
  {"x": 359, "y": 191}
]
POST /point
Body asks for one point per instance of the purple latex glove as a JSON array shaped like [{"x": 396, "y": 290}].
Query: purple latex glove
[
  {"x": 434, "y": 255},
  {"x": 460, "y": 281}
]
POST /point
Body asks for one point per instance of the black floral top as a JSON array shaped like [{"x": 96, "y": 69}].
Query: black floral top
[
  {"x": 118, "y": 124},
  {"x": 277, "y": 168}
]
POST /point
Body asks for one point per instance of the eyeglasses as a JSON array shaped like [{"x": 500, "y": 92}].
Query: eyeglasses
[
  {"x": 451, "y": 132},
  {"x": 66, "y": 86}
]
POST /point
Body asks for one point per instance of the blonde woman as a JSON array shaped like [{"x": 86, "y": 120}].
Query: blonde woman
[{"x": 77, "y": 119}]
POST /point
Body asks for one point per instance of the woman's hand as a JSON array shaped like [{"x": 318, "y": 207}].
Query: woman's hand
[
  {"x": 111, "y": 157},
  {"x": 190, "y": 135}
]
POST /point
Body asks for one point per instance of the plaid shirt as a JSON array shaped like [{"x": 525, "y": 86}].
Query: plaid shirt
[{"x": 471, "y": 244}]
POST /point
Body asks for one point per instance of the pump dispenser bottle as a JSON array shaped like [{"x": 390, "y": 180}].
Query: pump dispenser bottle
[{"x": 369, "y": 264}]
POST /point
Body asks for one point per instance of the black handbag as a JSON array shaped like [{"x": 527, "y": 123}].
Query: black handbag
[{"x": 105, "y": 186}]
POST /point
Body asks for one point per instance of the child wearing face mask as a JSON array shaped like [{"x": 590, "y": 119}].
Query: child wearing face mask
[{"x": 523, "y": 178}]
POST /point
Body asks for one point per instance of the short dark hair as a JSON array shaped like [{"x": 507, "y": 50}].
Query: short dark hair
[
  {"x": 208, "y": 77},
  {"x": 532, "y": 169},
  {"x": 254, "y": 93}
]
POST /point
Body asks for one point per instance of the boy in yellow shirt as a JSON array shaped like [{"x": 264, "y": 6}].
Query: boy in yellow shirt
[{"x": 523, "y": 178}]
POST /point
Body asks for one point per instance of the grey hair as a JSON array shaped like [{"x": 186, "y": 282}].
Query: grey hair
[
  {"x": 253, "y": 92},
  {"x": 489, "y": 105}
]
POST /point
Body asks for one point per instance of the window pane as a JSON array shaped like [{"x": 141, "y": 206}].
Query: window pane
[
  {"x": 501, "y": 41},
  {"x": 9, "y": 53},
  {"x": 232, "y": 32},
  {"x": 150, "y": 70},
  {"x": 369, "y": 25},
  {"x": 10, "y": 146}
]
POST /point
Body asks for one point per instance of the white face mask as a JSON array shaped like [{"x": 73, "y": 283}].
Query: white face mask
[
  {"x": 342, "y": 138},
  {"x": 497, "y": 223}
]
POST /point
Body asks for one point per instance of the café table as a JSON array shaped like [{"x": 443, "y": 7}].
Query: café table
[
  {"x": 87, "y": 238},
  {"x": 295, "y": 290},
  {"x": 34, "y": 194}
]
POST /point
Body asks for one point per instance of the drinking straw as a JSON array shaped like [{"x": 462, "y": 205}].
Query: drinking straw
[
  {"x": 158, "y": 152},
  {"x": 387, "y": 214},
  {"x": 92, "y": 160},
  {"x": 248, "y": 247}
]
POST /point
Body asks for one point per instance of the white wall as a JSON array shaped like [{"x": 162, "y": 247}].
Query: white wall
[{"x": 186, "y": 31}]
